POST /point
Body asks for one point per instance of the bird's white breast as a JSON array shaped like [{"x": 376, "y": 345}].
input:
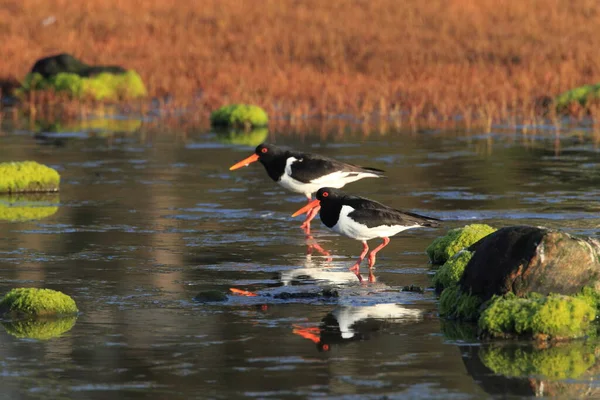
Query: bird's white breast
[
  {"x": 348, "y": 227},
  {"x": 347, "y": 316}
]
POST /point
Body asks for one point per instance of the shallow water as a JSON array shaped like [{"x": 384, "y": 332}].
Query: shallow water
[{"x": 143, "y": 223}]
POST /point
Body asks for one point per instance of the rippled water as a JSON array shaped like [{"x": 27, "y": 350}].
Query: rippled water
[{"x": 143, "y": 223}]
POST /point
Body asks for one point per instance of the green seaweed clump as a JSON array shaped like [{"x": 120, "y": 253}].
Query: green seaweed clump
[
  {"x": 564, "y": 361},
  {"x": 37, "y": 302},
  {"x": 239, "y": 137},
  {"x": 27, "y": 176},
  {"x": 454, "y": 304},
  {"x": 27, "y": 207},
  {"x": 239, "y": 115},
  {"x": 581, "y": 95},
  {"x": 450, "y": 273},
  {"x": 554, "y": 316},
  {"x": 40, "y": 329},
  {"x": 102, "y": 86},
  {"x": 442, "y": 248}
]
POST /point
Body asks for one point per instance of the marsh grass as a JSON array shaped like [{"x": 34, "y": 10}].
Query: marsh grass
[{"x": 413, "y": 63}]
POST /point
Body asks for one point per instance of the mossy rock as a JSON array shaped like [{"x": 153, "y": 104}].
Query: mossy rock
[
  {"x": 239, "y": 115},
  {"x": 103, "y": 86},
  {"x": 241, "y": 137},
  {"x": 536, "y": 316},
  {"x": 454, "y": 304},
  {"x": 450, "y": 273},
  {"x": 210, "y": 296},
  {"x": 27, "y": 176},
  {"x": 442, "y": 248},
  {"x": 40, "y": 329},
  {"x": 34, "y": 302},
  {"x": 560, "y": 361},
  {"x": 27, "y": 207},
  {"x": 581, "y": 95}
]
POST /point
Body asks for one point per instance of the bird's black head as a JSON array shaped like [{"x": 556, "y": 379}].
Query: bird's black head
[
  {"x": 267, "y": 152},
  {"x": 327, "y": 194}
]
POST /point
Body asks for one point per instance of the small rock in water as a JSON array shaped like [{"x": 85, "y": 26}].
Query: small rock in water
[
  {"x": 413, "y": 288},
  {"x": 210, "y": 295}
]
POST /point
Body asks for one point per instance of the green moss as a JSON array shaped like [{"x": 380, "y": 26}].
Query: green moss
[
  {"x": 457, "y": 305},
  {"x": 555, "y": 316},
  {"x": 442, "y": 248},
  {"x": 37, "y": 302},
  {"x": 450, "y": 273},
  {"x": 581, "y": 95},
  {"x": 566, "y": 361},
  {"x": 103, "y": 86},
  {"x": 25, "y": 207},
  {"x": 27, "y": 176},
  {"x": 239, "y": 115},
  {"x": 250, "y": 138},
  {"x": 40, "y": 329}
]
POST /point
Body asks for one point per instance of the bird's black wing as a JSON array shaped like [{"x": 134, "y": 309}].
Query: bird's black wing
[
  {"x": 372, "y": 214},
  {"x": 310, "y": 167}
]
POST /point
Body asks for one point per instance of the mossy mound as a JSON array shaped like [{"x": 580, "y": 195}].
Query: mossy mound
[
  {"x": 239, "y": 115},
  {"x": 581, "y": 95},
  {"x": 103, "y": 86},
  {"x": 442, "y": 248},
  {"x": 36, "y": 302},
  {"x": 455, "y": 304},
  {"x": 210, "y": 296},
  {"x": 40, "y": 329},
  {"x": 554, "y": 316},
  {"x": 27, "y": 207},
  {"x": 251, "y": 138},
  {"x": 564, "y": 361},
  {"x": 450, "y": 273},
  {"x": 27, "y": 176}
]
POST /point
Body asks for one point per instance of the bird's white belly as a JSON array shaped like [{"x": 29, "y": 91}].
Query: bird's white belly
[{"x": 355, "y": 230}]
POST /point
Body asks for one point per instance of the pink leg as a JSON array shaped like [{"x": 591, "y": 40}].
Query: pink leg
[
  {"x": 372, "y": 257},
  {"x": 356, "y": 267},
  {"x": 309, "y": 217}
]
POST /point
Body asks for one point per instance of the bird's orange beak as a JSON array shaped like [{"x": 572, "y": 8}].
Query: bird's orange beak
[
  {"x": 244, "y": 162},
  {"x": 307, "y": 207}
]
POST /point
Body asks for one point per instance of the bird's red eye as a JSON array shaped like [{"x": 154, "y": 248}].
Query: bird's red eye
[
  {"x": 264, "y": 150},
  {"x": 325, "y": 194},
  {"x": 326, "y": 347}
]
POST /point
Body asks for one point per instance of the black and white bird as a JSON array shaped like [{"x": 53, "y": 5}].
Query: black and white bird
[
  {"x": 305, "y": 173},
  {"x": 363, "y": 219}
]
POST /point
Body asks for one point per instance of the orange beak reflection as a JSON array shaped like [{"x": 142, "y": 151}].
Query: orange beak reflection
[
  {"x": 242, "y": 292},
  {"x": 307, "y": 207},
  {"x": 244, "y": 162}
]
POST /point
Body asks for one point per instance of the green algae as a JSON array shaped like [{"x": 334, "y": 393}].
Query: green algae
[
  {"x": 26, "y": 207},
  {"x": 450, "y": 273},
  {"x": 239, "y": 115},
  {"x": 102, "y": 86},
  {"x": 27, "y": 176},
  {"x": 454, "y": 304},
  {"x": 240, "y": 137},
  {"x": 582, "y": 95},
  {"x": 554, "y": 316},
  {"x": 563, "y": 361},
  {"x": 37, "y": 302},
  {"x": 442, "y": 248},
  {"x": 40, "y": 329}
]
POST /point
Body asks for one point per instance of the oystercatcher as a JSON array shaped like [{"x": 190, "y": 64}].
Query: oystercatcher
[
  {"x": 305, "y": 172},
  {"x": 363, "y": 219}
]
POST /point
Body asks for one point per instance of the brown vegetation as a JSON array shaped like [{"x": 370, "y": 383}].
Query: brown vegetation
[{"x": 413, "y": 59}]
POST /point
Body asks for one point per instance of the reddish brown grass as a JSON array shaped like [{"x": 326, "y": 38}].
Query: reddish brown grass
[{"x": 411, "y": 59}]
